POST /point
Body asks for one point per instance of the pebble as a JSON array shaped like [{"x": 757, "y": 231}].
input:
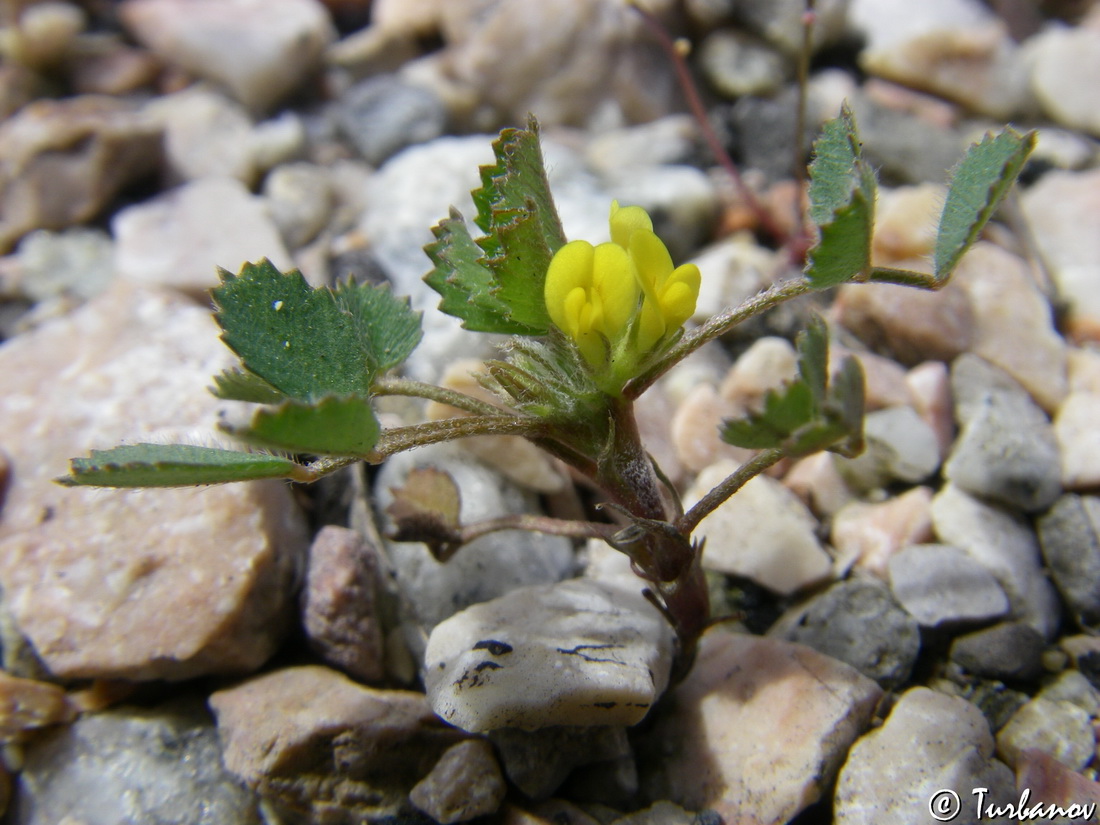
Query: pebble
[
  {"x": 465, "y": 783},
  {"x": 816, "y": 481},
  {"x": 871, "y": 534},
  {"x": 178, "y": 239},
  {"x": 78, "y": 262},
  {"x": 1069, "y": 534},
  {"x": 929, "y": 742},
  {"x": 1058, "y": 58},
  {"x": 1078, "y": 440},
  {"x": 301, "y": 200},
  {"x": 1058, "y": 728},
  {"x": 780, "y": 552},
  {"x": 930, "y": 386},
  {"x": 260, "y": 52},
  {"x": 159, "y": 766},
  {"x": 90, "y": 147},
  {"x": 317, "y": 742},
  {"x": 695, "y": 430},
  {"x": 382, "y": 115},
  {"x": 28, "y": 704},
  {"x": 1013, "y": 322},
  {"x": 44, "y": 34},
  {"x": 780, "y": 21},
  {"x": 952, "y": 48},
  {"x": 340, "y": 603},
  {"x": 906, "y": 219},
  {"x": 483, "y": 569},
  {"x": 537, "y": 762},
  {"x": 900, "y": 446},
  {"x": 575, "y": 653},
  {"x": 207, "y": 134},
  {"x": 758, "y": 729},
  {"x": 147, "y": 584},
  {"x": 1009, "y": 652},
  {"x": 859, "y": 623},
  {"x": 735, "y": 64},
  {"x": 940, "y": 585},
  {"x": 1006, "y": 451},
  {"x": 768, "y": 364},
  {"x": 1063, "y": 210},
  {"x": 1072, "y": 686},
  {"x": 1007, "y": 547},
  {"x": 909, "y": 325},
  {"x": 668, "y": 141},
  {"x": 1052, "y": 783}
]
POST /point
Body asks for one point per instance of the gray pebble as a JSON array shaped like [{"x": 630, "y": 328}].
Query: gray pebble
[
  {"x": 1069, "y": 535},
  {"x": 384, "y": 114},
  {"x": 736, "y": 64},
  {"x": 1011, "y": 651},
  {"x": 942, "y": 585},
  {"x": 857, "y": 622}
]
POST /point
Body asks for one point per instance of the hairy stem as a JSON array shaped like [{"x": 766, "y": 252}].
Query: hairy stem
[
  {"x": 687, "y": 523},
  {"x": 716, "y": 327},
  {"x": 432, "y": 432},
  {"x": 537, "y": 524},
  {"x": 419, "y": 389}
]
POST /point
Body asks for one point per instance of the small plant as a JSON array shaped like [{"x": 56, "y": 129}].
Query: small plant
[{"x": 593, "y": 327}]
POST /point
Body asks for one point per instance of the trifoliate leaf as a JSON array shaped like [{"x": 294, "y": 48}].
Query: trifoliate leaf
[
  {"x": 241, "y": 385},
  {"x": 386, "y": 324},
  {"x": 807, "y": 415},
  {"x": 173, "y": 465},
  {"x": 496, "y": 283},
  {"x": 463, "y": 281},
  {"x": 844, "y": 249},
  {"x": 343, "y": 426},
  {"x": 978, "y": 185}
]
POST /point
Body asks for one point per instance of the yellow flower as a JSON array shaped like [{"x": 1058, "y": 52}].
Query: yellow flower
[
  {"x": 670, "y": 294},
  {"x": 591, "y": 295},
  {"x": 598, "y": 295}
]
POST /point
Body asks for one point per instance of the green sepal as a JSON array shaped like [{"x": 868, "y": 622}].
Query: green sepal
[
  {"x": 978, "y": 185},
  {"x": 174, "y": 465},
  {"x": 343, "y": 426}
]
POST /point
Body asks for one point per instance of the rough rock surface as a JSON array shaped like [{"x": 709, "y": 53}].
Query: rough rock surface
[
  {"x": 576, "y": 653},
  {"x": 941, "y": 585},
  {"x": 758, "y": 730},
  {"x": 1069, "y": 534},
  {"x": 159, "y": 766},
  {"x": 930, "y": 742},
  {"x": 465, "y": 783},
  {"x": 150, "y": 584},
  {"x": 319, "y": 742}
]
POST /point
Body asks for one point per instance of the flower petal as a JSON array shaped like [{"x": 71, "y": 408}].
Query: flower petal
[
  {"x": 570, "y": 268},
  {"x": 625, "y": 220},
  {"x": 614, "y": 283}
]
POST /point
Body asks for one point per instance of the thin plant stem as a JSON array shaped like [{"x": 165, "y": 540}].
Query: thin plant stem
[
  {"x": 687, "y": 523},
  {"x": 430, "y": 392},
  {"x": 537, "y": 524},
  {"x": 432, "y": 432},
  {"x": 715, "y": 327}
]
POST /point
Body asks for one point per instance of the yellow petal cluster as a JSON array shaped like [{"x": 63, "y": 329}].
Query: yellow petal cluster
[{"x": 625, "y": 292}]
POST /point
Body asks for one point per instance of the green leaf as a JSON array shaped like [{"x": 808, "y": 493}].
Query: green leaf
[
  {"x": 844, "y": 249},
  {"x": 331, "y": 426},
  {"x": 842, "y": 205},
  {"x": 241, "y": 385},
  {"x": 173, "y": 465},
  {"x": 978, "y": 185},
  {"x": 808, "y": 414},
  {"x": 465, "y": 284},
  {"x": 495, "y": 284},
  {"x": 293, "y": 336},
  {"x": 518, "y": 182},
  {"x": 386, "y": 324},
  {"x": 833, "y": 169}
]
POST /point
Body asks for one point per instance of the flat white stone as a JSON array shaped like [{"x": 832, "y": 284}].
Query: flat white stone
[{"x": 576, "y": 653}]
